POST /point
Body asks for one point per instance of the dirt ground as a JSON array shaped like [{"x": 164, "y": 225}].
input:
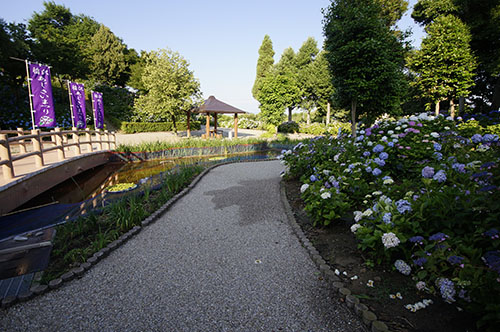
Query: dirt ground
[{"x": 338, "y": 247}]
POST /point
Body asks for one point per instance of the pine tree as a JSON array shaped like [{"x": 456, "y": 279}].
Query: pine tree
[{"x": 264, "y": 64}]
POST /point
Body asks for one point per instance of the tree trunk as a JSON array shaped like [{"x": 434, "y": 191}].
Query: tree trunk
[
  {"x": 436, "y": 109},
  {"x": 289, "y": 114},
  {"x": 308, "y": 121},
  {"x": 353, "y": 117},
  {"x": 461, "y": 105},
  {"x": 452, "y": 108},
  {"x": 328, "y": 113},
  {"x": 188, "y": 133},
  {"x": 174, "y": 124},
  {"x": 495, "y": 100}
]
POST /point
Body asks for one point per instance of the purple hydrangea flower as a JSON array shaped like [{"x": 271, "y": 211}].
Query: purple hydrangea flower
[
  {"x": 440, "y": 176},
  {"x": 403, "y": 206},
  {"x": 327, "y": 185},
  {"x": 438, "y": 155},
  {"x": 376, "y": 172},
  {"x": 417, "y": 239},
  {"x": 455, "y": 260},
  {"x": 438, "y": 237},
  {"x": 427, "y": 172},
  {"x": 492, "y": 259},
  {"x": 492, "y": 233},
  {"x": 488, "y": 164},
  {"x": 447, "y": 289},
  {"x": 378, "y": 148},
  {"x": 383, "y": 155},
  {"x": 420, "y": 261}
]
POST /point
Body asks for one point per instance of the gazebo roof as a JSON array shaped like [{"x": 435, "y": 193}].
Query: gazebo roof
[{"x": 213, "y": 105}]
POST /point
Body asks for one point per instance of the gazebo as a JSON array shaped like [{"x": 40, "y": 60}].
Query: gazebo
[{"x": 214, "y": 106}]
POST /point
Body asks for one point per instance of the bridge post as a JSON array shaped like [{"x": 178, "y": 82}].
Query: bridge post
[
  {"x": 88, "y": 137},
  {"x": 22, "y": 145},
  {"x": 98, "y": 138},
  {"x": 60, "y": 144},
  {"x": 113, "y": 141},
  {"x": 76, "y": 139},
  {"x": 37, "y": 147},
  {"x": 106, "y": 136},
  {"x": 7, "y": 168}
]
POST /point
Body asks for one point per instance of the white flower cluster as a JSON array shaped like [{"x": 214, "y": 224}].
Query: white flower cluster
[
  {"x": 355, "y": 227},
  {"x": 357, "y": 215},
  {"x": 419, "y": 305},
  {"x": 420, "y": 285},
  {"x": 304, "y": 188},
  {"x": 326, "y": 195},
  {"x": 390, "y": 240},
  {"x": 402, "y": 267}
]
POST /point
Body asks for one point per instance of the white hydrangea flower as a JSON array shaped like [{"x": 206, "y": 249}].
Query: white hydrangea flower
[
  {"x": 304, "y": 188},
  {"x": 413, "y": 118},
  {"x": 377, "y": 193},
  {"x": 357, "y": 215},
  {"x": 326, "y": 172},
  {"x": 369, "y": 143},
  {"x": 390, "y": 132},
  {"x": 355, "y": 227},
  {"x": 388, "y": 181},
  {"x": 367, "y": 213},
  {"x": 390, "y": 240},
  {"x": 402, "y": 267},
  {"x": 326, "y": 195},
  {"x": 434, "y": 134},
  {"x": 336, "y": 157}
]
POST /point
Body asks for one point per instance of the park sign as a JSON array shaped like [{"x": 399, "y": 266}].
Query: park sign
[
  {"x": 77, "y": 100},
  {"x": 41, "y": 92},
  {"x": 98, "y": 110}
]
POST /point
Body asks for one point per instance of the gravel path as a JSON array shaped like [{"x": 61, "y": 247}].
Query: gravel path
[{"x": 223, "y": 258}]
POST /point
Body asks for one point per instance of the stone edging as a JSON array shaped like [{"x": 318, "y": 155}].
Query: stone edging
[
  {"x": 78, "y": 271},
  {"x": 369, "y": 318}
]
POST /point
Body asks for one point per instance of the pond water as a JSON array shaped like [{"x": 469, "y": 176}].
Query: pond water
[{"x": 94, "y": 181}]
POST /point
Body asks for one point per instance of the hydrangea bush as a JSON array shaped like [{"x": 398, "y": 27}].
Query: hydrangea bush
[{"x": 424, "y": 197}]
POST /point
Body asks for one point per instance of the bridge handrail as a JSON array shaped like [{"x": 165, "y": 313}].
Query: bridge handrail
[{"x": 57, "y": 136}]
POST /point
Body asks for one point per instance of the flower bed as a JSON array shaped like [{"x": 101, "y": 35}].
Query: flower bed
[{"x": 424, "y": 200}]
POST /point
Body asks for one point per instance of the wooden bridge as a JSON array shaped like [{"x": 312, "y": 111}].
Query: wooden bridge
[{"x": 34, "y": 161}]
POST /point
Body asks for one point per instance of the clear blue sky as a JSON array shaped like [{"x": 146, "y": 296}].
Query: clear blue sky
[{"x": 220, "y": 38}]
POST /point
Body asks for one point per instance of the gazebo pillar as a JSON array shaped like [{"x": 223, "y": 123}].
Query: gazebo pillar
[
  {"x": 235, "y": 125},
  {"x": 207, "y": 126},
  {"x": 215, "y": 124}
]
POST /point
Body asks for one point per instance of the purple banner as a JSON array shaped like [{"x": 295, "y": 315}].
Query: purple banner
[
  {"x": 98, "y": 110},
  {"x": 41, "y": 89},
  {"x": 77, "y": 94}
]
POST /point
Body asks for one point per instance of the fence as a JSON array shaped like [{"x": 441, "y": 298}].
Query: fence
[{"x": 14, "y": 145}]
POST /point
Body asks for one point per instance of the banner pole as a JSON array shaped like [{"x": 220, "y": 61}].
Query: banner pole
[
  {"x": 30, "y": 95},
  {"x": 93, "y": 108},
  {"x": 70, "y": 105}
]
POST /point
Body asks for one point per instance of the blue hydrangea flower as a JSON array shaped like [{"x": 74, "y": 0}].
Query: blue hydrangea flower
[
  {"x": 489, "y": 138},
  {"x": 376, "y": 172},
  {"x": 327, "y": 185},
  {"x": 379, "y": 161},
  {"x": 360, "y": 138},
  {"x": 387, "y": 218},
  {"x": 378, "y": 148},
  {"x": 390, "y": 144},
  {"x": 368, "y": 169},
  {"x": 440, "y": 176},
  {"x": 460, "y": 168},
  {"x": 403, "y": 206},
  {"x": 438, "y": 155},
  {"x": 366, "y": 154},
  {"x": 493, "y": 232},
  {"x": 417, "y": 239},
  {"x": 427, "y": 172},
  {"x": 492, "y": 259},
  {"x": 477, "y": 138},
  {"x": 447, "y": 289},
  {"x": 313, "y": 178},
  {"x": 437, "y": 147},
  {"x": 383, "y": 155}
]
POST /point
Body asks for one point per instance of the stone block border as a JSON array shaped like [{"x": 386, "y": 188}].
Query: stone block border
[
  {"x": 78, "y": 271},
  {"x": 369, "y": 318}
]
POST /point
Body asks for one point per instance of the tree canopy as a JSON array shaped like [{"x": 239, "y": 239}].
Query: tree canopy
[
  {"x": 264, "y": 64},
  {"x": 171, "y": 88},
  {"x": 366, "y": 59}
]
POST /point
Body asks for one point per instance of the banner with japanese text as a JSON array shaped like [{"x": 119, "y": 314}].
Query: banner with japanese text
[
  {"x": 98, "y": 109},
  {"x": 41, "y": 90},
  {"x": 77, "y": 95}
]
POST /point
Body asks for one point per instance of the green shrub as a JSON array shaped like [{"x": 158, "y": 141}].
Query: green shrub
[
  {"x": 141, "y": 127},
  {"x": 333, "y": 127},
  {"x": 288, "y": 127},
  {"x": 315, "y": 128}
]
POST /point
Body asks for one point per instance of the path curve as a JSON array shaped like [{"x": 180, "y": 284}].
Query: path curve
[{"x": 222, "y": 258}]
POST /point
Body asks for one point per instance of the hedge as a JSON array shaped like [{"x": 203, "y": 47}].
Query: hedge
[{"x": 141, "y": 127}]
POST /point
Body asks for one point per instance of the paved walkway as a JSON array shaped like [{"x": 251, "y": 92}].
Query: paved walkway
[{"x": 222, "y": 258}]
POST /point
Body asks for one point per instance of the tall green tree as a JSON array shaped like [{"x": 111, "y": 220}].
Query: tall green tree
[
  {"x": 307, "y": 53},
  {"x": 264, "y": 64},
  {"x": 365, "y": 57},
  {"x": 172, "y": 89},
  {"x": 393, "y": 10},
  {"x": 136, "y": 71},
  {"x": 287, "y": 68},
  {"x": 108, "y": 57},
  {"x": 444, "y": 65}
]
